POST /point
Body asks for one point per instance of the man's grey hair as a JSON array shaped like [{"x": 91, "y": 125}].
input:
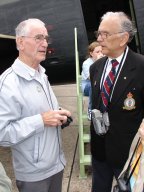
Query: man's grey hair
[
  {"x": 24, "y": 27},
  {"x": 126, "y": 24}
]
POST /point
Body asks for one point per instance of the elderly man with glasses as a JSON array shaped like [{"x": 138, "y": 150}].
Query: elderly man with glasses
[
  {"x": 118, "y": 95},
  {"x": 30, "y": 119}
]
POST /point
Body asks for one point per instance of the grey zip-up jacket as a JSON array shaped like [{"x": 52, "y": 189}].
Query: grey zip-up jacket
[{"x": 24, "y": 95}]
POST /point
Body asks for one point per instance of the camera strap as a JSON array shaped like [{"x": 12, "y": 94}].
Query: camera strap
[
  {"x": 133, "y": 170},
  {"x": 126, "y": 177}
]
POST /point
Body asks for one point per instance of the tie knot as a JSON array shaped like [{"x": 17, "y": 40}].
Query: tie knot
[{"x": 114, "y": 62}]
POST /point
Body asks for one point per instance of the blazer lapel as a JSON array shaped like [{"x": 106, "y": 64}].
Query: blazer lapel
[
  {"x": 96, "y": 78},
  {"x": 98, "y": 74}
]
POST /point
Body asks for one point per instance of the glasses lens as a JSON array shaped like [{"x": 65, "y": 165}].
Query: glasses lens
[
  {"x": 41, "y": 37},
  {"x": 48, "y": 39},
  {"x": 103, "y": 34}
]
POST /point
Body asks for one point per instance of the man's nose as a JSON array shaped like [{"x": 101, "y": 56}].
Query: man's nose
[
  {"x": 99, "y": 38},
  {"x": 45, "y": 43}
]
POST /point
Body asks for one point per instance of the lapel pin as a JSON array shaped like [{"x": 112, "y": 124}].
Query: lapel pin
[{"x": 124, "y": 77}]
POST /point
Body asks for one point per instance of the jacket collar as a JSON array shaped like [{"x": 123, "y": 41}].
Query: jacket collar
[{"x": 25, "y": 71}]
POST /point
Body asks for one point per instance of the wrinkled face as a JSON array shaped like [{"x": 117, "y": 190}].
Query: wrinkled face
[
  {"x": 33, "y": 46},
  {"x": 97, "y": 53},
  {"x": 111, "y": 37}
]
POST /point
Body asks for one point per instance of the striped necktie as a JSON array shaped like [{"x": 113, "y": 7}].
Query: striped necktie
[{"x": 107, "y": 85}]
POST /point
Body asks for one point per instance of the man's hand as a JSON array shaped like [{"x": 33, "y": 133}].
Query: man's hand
[{"x": 55, "y": 118}]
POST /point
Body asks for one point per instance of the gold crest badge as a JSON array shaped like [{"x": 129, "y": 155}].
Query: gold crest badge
[{"x": 129, "y": 102}]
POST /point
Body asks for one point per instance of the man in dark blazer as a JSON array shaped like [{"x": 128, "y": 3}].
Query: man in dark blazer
[{"x": 126, "y": 103}]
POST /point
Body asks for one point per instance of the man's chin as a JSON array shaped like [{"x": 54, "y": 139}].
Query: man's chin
[
  {"x": 105, "y": 52},
  {"x": 42, "y": 58}
]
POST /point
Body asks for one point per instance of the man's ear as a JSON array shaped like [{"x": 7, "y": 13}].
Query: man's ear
[
  {"x": 19, "y": 42},
  {"x": 124, "y": 39}
]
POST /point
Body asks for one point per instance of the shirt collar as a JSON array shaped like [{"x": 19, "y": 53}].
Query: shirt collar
[
  {"x": 25, "y": 71},
  {"x": 118, "y": 58}
]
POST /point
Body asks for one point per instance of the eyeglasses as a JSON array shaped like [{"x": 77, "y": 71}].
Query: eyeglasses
[
  {"x": 40, "y": 38},
  {"x": 105, "y": 35}
]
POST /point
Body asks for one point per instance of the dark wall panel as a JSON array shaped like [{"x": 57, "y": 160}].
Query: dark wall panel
[
  {"x": 139, "y": 16},
  {"x": 60, "y": 17}
]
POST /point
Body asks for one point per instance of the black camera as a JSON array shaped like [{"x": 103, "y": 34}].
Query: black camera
[
  {"x": 69, "y": 120},
  {"x": 67, "y": 123}
]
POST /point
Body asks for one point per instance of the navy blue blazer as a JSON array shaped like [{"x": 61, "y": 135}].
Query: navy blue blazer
[{"x": 126, "y": 109}]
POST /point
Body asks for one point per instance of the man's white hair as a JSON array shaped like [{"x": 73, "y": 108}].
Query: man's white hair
[
  {"x": 125, "y": 22},
  {"x": 24, "y": 27}
]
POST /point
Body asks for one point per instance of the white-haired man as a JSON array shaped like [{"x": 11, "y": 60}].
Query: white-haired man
[
  {"x": 118, "y": 93},
  {"x": 29, "y": 114}
]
